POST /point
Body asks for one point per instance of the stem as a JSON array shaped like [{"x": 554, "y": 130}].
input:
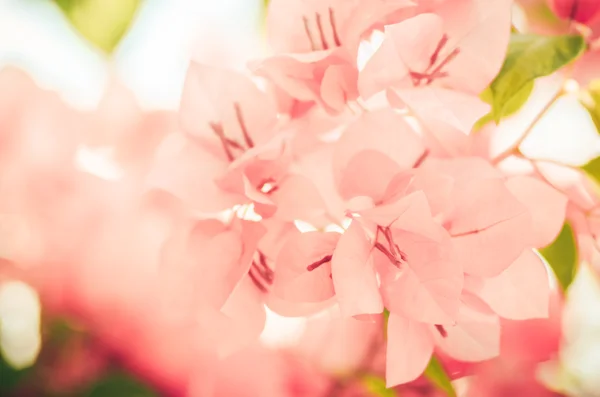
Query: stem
[{"x": 513, "y": 149}]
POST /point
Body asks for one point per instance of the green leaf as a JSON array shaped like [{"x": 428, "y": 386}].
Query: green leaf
[
  {"x": 438, "y": 376},
  {"x": 11, "y": 378},
  {"x": 592, "y": 168},
  {"x": 561, "y": 255},
  {"x": 531, "y": 56},
  {"x": 590, "y": 99},
  {"x": 101, "y": 22},
  {"x": 376, "y": 386},
  {"x": 118, "y": 384},
  {"x": 512, "y": 106},
  {"x": 386, "y": 318}
]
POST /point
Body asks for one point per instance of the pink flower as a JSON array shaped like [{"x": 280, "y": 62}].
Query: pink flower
[
  {"x": 316, "y": 46},
  {"x": 582, "y": 11},
  {"x": 463, "y": 48}
]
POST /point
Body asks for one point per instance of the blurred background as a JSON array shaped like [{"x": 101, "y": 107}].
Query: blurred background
[
  {"x": 82, "y": 49},
  {"x": 73, "y": 46}
]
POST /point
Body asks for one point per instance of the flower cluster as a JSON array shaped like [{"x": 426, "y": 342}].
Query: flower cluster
[
  {"x": 354, "y": 180},
  {"x": 357, "y": 177}
]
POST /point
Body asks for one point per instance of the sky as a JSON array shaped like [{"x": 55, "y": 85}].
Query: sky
[{"x": 152, "y": 58}]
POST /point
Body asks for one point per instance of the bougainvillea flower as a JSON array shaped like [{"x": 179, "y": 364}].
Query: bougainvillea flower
[
  {"x": 301, "y": 26},
  {"x": 463, "y": 48},
  {"x": 304, "y": 267},
  {"x": 327, "y": 78}
]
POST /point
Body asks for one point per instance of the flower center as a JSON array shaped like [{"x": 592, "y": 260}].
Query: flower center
[
  {"x": 434, "y": 70},
  {"x": 260, "y": 273},
  {"x": 390, "y": 249},
  {"x": 230, "y": 145}
]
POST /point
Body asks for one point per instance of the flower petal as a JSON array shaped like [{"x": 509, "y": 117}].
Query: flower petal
[
  {"x": 354, "y": 278},
  {"x": 409, "y": 349},
  {"x": 489, "y": 226},
  {"x": 520, "y": 292},
  {"x": 293, "y": 281},
  {"x": 476, "y": 335},
  {"x": 547, "y": 207}
]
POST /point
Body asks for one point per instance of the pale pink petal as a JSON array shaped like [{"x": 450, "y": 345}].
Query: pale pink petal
[
  {"x": 407, "y": 47},
  {"x": 295, "y": 75},
  {"x": 520, "y": 292},
  {"x": 411, "y": 213},
  {"x": 354, "y": 278},
  {"x": 338, "y": 344},
  {"x": 247, "y": 314},
  {"x": 409, "y": 349},
  {"x": 338, "y": 86},
  {"x": 464, "y": 170},
  {"x": 228, "y": 99},
  {"x": 303, "y": 251},
  {"x": 483, "y": 204},
  {"x": 373, "y": 14},
  {"x": 476, "y": 335},
  {"x": 427, "y": 287},
  {"x": 325, "y": 77},
  {"x": 368, "y": 174},
  {"x": 547, "y": 207},
  {"x": 311, "y": 165},
  {"x": 489, "y": 226},
  {"x": 297, "y": 198},
  {"x": 216, "y": 257},
  {"x": 188, "y": 171},
  {"x": 293, "y": 25},
  {"x": 447, "y": 117},
  {"x": 481, "y": 30},
  {"x": 437, "y": 188},
  {"x": 384, "y": 131}
]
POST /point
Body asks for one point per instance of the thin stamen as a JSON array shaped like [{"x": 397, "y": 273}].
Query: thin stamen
[
  {"x": 234, "y": 144},
  {"x": 266, "y": 275},
  {"x": 387, "y": 253},
  {"x": 318, "y": 263},
  {"x": 441, "y": 330},
  {"x": 262, "y": 259},
  {"x": 437, "y": 51},
  {"x": 336, "y": 38},
  {"x": 321, "y": 33},
  {"x": 436, "y": 72},
  {"x": 218, "y": 130},
  {"x": 257, "y": 282},
  {"x": 387, "y": 232},
  {"x": 422, "y": 158},
  {"x": 308, "y": 33},
  {"x": 240, "y": 119}
]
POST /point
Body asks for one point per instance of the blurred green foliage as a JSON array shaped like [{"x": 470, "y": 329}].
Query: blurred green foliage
[
  {"x": 438, "y": 376},
  {"x": 376, "y": 386},
  {"x": 102, "y": 22},
  {"x": 590, "y": 99},
  {"x": 119, "y": 384},
  {"x": 58, "y": 333},
  {"x": 10, "y": 378},
  {"x": 561, "y": 255},
  {"x": 512, "y": 106},
  {"x": 531, "y": 56}
]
